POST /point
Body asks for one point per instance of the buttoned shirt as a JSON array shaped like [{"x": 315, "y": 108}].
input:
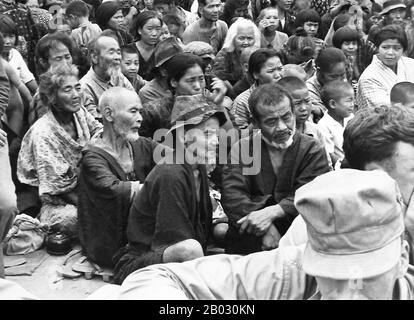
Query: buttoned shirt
[{"x": 93, "y": 87}]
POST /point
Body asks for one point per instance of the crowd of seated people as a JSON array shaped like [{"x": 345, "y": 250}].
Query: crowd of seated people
[{"x": 165, "y": 131}]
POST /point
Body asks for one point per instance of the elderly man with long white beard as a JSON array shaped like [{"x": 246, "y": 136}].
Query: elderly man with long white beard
[
  {"x": 104, "y": 73},
  {"x": 114, "y": 167},
  {"x": 258, "y": 197}
]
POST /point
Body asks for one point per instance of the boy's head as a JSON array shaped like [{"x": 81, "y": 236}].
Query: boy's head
[
  {"x": 294, "y": 70},
  {"x": 308, "y": 20},
  {"x": 9, "y": 31},
  {"x": 302, "y": 103},
  {"x": 174, "y": 24},
  {"x": 76, "y": 10},
  {"x": 130, "y": 61},
  {"x": 338, "y": 98},
  {"x": 403, "y": 94}
]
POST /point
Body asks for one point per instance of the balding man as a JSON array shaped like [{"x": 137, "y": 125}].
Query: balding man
[
  {"x": 105, "y": 72},
  {"x": 114, "y": 166}
]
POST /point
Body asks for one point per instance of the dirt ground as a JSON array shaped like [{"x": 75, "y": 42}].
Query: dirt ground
[{"x": 45, "y": 282}]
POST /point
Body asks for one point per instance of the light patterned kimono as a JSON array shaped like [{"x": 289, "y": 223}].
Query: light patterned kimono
[
  {"x": 49, "y": 160},
  {"x": 376, "y": 82}
]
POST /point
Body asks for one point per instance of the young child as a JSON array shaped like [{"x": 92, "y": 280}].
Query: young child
[
  {"x": 130, "y": 66},
  {"x": 403, "y": 94},
  {"x": 338, "y": 98},
  {"x": 302, "y": 109},
  {"x": 165, "y": 32},
  {"x": 77, "y": 13}
]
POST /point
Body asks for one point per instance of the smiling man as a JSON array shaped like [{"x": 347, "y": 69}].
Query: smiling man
[
  {"x": 209, "y": 28},
  {"x": 260, "y": 206},
  {"x": 104, "y": 73}
]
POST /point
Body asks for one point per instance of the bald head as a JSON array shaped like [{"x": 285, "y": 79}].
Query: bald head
[
  {"x": 293, "y": 70},
  {"x": 403, "y": 93},
  {"x": 117, "y": 99}
]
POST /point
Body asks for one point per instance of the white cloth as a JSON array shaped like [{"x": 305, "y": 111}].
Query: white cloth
[
  {"x": 333, "y": 133},
  {"x": 19, "y": 65}
]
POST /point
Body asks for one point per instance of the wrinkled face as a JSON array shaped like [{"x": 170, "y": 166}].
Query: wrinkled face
[
  {"x": 9, "y": 42},
  {"x": 109, "y": 57},
  {"x": 192, "y": 82},
  {"x": 277, "y": 122},
  {"x": 68, "y": 98},
  {"x": 271, "y": 18},
  {"x": 164, "y": 32},
  {"x": 375, "y": 288},
  {"x": 389, "y": 52},
  {"x": 244, "y": 38},
  {"x": 127, "y": 118},
  {"x": 349, "y": 47},
  {"x": 151, "y": 31},
  {"x": 302, "y": 104},
  {"x": 211, "y": 10},
  {"x": 59, "y": 55},
  {"x": 311, "y": 28},
  {"x": 395, "y": 16},
  {"x": 337, "y": 72},
  {"x": 201, "y": 142},
  {"x": 117, "y": 21},
  {"x": 271, "y": 72},
  {"x": 344, "y": 105},
  {"x": 130, "y": 65}
]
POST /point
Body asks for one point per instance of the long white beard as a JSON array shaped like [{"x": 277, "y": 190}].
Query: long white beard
[{"x": 115, "y": 75}]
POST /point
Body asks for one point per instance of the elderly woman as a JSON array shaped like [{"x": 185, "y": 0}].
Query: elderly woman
[
  {"x": 227, "y": 65},
  {"x": 52, "y": 148},
  {"x": 388, "y": 67},
  {"x": 114, "y": 167},
  {"x": 170, "y": 219}
]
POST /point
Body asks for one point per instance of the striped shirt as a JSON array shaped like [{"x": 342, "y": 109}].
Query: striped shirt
[{"x": 240, "y": 108}]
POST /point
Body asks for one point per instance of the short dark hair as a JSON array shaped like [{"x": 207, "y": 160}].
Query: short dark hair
[
  {"x": 341, "y": 20},
  {"x": 49, "y": 41},
  {"x": 129, "y": 49},
  {"x": 178, "y": 65},
  {"x": 344, "y": 34},
  {"x": 259, "y": 57},
  {"x": 141, "y": 19},
  {"x": 77, "y": 8},
  {"x": 292, "y": 83},
  {"x": 373, "y": 133},
  {"x": 7, "y": 26},
  {"x": 391, "y": 31},
  {"x": 333, "y": 90},
  {"x": 328, "y": 57},
  {"x": 402, "y": 92},
  {"x": 172, "y": 18},
  {"x": 169, "y": 2},
  {"x": 267, "y": 94},
  {"x": 307, "y": 15}
]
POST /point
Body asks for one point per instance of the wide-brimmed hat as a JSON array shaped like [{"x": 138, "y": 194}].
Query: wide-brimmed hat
[
  {"x": 391, "y": 5},
  {"x": 166, "y": 49},
  {"x": 354, "y": 222},
  {"x": 193, "y": 110}
]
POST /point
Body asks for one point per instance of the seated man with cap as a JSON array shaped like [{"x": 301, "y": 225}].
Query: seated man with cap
[
  {"x": 259, "y": 185},
  {"x": 114, "y": 167},
  {"x": 158, "y": 88},
  {"x": 170, "y": 218},
  {"x": 355, "y": 250}
]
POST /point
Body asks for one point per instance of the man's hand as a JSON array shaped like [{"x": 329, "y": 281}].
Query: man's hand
[
  {"x": 258, "y": 222},
  {"x": 271, "y": 238},
  {"x": 3, "y": 138}
]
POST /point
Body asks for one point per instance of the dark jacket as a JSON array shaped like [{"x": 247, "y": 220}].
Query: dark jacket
[
  {"x": 304, "y": 160},
  {"x": 165, "y": 212},
  {"x": 105, "y": 199}
]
